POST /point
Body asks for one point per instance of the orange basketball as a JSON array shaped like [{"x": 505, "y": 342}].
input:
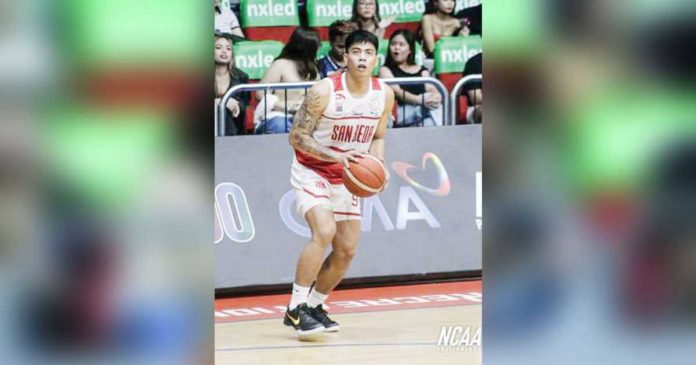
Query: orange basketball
[{"x": 364, "y": 178}]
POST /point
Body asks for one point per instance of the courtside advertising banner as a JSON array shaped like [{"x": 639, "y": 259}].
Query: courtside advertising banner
[{"x": 428, "y": 220}]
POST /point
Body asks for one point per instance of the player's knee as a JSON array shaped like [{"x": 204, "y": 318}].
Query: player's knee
[
  {"x": 325, "y": 234},
  {"x": 345, "y": 254}
]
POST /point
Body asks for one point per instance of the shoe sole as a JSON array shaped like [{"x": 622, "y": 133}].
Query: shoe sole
[
  {"x": 310, "y": 332},
  {"x": 332, "y": 329},
  {"x": 304, "y": 333}
]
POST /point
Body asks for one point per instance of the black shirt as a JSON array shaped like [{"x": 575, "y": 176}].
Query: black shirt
[
  {"x": 473, "y": 67},
  {"x": 413, "y": 89}
]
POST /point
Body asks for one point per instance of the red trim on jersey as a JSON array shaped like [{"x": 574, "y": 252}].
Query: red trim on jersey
[
  {"x": 375, "y": 84},
  {"x": 347, "y": 213},
  {"x": 338, "y": 149},
  {"x": 315, "y": 195},
  {"x": 353, "y": 117},
  {"x": 336, "y": 78},
  {"x": 331, "y": 171}
]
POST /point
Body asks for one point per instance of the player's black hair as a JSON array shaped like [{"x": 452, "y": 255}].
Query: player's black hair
[{"x": 361, "y": 36}]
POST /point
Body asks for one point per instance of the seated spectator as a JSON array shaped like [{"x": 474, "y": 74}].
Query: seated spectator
[
  {"x": 333, "y": 62},
  {"x": 418, "y": 105},
  {"x": 438, "y": 22},
  {"x": 226, "y": 76},
  {"x": 225, "y": 19},
  {"x": 296, "y": 62},
  {"x": 366, "y": 16},
  {"x": 474, "y": 92},
  {"x": 470, "y": 21}
]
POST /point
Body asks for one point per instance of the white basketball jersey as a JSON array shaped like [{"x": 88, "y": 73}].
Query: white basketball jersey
[{"x": 347, "y": 123}]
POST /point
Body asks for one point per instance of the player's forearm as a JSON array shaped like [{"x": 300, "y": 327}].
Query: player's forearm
[
  {"x": 377, "y": 148},
  {"x": 310, "y": 146}
]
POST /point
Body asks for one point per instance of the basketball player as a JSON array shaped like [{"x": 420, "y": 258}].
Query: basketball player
[{"x": 343, "y": 117}]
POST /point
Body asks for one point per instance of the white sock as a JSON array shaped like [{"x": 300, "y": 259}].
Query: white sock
[
  {"x": 315, "y": 298},
  {"x": 299, "y": 295}
]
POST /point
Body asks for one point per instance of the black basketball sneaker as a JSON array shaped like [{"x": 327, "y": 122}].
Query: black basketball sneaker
[
  {"x": 302, "y": 321},
  {"x": 320, "y": 314}
]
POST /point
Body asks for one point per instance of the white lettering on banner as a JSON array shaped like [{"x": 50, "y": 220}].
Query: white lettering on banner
[
  {"x": 257, "y": 60},
  {"x": 219, "y": 233},
  {"x": 440, "y": 298},
  {"x": 411, "y": 300},
  {"x": 402, "y": 7},
  {"x": 479, "y": 200},
  {"x": 459, "y": 55},
  {"x": 241, "y": 312},
  {"x": 379, "y": 302},
  {"x": 350, "y": 304},
  {"x": 244, "y": 231},
  {"x": 403, "y": 215},
  {"x": 334, "y": 10},
  {"x": 370, "y": 204},
  {"x": 474, "y": 297},
  {"x": 266, "y": 10}
]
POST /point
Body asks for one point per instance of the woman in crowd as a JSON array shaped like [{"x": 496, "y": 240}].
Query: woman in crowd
[
  {"x": 226, "y": 76},
  {"x": 439, "y": 22},
  {"x": 418, "y": 105},
  {"x": 366, "y": 15},
  {"x": 296, "y": 62}
]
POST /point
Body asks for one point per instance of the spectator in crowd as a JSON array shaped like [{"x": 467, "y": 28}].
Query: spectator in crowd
[
  {"x": 470, "y": 21},
  {"x": 296, "y": 62},
  {"x": 226, "y": 76},
  {"x": 438, "y": 22},
  {"x": 225, "y": 19},
  {"x": 333, "y": 62},
  {"x": 418, "y": 105},
  {"x": 474, "y": 91},
  {"x": 366, "y": 16}
]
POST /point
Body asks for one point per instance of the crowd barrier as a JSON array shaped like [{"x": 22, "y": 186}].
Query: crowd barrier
[
  {"x": 457, "y": 89},
  {"x": 221, "y": 114}
]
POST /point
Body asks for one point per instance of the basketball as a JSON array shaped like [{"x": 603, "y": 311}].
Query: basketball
[{"x": 364, "y": 178}]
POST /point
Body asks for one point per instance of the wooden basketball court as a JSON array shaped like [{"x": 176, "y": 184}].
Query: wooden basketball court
[{"x": 388, "y": 325}]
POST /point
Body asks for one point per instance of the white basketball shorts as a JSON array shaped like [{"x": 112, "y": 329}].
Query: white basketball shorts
[{"x": 311, "y": 189}]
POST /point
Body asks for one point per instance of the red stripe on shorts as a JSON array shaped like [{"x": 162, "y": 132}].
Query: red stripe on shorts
[{"x": 315, "y": 195}]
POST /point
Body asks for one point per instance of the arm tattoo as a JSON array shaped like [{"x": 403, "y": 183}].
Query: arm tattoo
[{"x": 304, "y": 125}]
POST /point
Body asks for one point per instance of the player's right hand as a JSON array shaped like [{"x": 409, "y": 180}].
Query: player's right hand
[{"x": 348, "y": 156}]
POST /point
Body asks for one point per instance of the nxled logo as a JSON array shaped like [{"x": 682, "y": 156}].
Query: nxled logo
[
  {"x": 459, "y": 55},
  {"x": 257, "y": 60},
  {"x": 269, "y": 9},
  {"x": 338, "y": 9},
  {"x": 387, "y": 8}
]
